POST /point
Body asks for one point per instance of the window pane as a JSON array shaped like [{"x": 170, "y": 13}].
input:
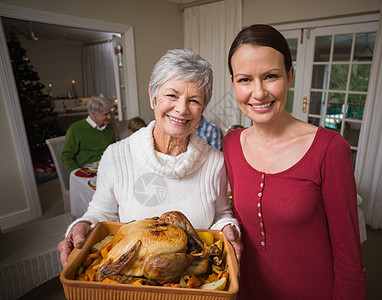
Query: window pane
[
  {"x": 364, "y": 46},
  {"x": 336, "y": 105},
  {"x": 289, "y": 103},
  {"x": 316, "y": 103},
  {"x": 333, "y": 124},
  {"x": 320, "y": 76},
  {"x": 322, "y": 48},
  {"x": 339, "y": 77},
  {"x": 356, "y": 105},
  {"x": 342, "y": 47},
  {"x": 359, "y": 80},
  {"x": 292, "y": 43},
  {"x": 316, "y": 121},
  {"x": 294, "y": 76},
  {"x": 351, "y": 133}
]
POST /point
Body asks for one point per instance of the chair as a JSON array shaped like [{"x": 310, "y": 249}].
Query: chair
[
  {"x": 121, "y": 130},
  {"x": 232, "y": 127},
  {"x": 56, "y": 145}
]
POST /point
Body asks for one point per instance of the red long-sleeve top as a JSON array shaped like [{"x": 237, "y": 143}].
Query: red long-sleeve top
[{"x": 300, "y": 226}]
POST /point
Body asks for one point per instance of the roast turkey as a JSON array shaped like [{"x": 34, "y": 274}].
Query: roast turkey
[{"x": 161, "y": 250}]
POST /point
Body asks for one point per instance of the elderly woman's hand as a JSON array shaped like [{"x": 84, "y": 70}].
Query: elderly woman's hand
[
  {"x": 75, "y": 239},
  {"x": 233, "y": 237}
]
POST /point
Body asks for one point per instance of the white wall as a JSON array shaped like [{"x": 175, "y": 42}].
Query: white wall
[{"x": 12, "y": 191}]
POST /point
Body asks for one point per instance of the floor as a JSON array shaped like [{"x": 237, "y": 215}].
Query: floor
[
  {"x": 51, "y": 202},
  {"x": 51, "y": 198}
]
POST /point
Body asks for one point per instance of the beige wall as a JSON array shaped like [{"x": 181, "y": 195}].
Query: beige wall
[
  {"x": 285, "y": 11},
  {"x": 157, "y": 28},
  {"x": 57, "y": 63}
]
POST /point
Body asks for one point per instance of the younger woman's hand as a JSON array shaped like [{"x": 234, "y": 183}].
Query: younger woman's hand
[{"x": 233, "y": 237}]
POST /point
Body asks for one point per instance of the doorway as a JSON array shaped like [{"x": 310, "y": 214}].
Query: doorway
[
  {"x": 10, "y": 93},
  {"x": 56, "y": 70}
]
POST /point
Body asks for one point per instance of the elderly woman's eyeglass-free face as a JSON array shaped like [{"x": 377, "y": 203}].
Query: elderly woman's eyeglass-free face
[{"x": 178, "y": 107}]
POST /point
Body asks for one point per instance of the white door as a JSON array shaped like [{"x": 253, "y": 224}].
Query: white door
[
  {"x": 295, "y": 40},
  {"x": 332, "y": 68}
]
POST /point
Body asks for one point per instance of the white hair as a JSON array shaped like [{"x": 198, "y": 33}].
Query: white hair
[{"x": 184, "y": 64}]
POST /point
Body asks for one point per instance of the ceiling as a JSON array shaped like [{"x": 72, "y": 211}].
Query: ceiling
[{"x": 47, "y": 32}]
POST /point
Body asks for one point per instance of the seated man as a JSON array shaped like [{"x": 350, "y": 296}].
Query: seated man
[
  {"x": 210, "y": 132},
  {"x": 87, "y": 139}
]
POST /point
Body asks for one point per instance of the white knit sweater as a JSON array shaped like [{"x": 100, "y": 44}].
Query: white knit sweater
[{"x": 136, "y": 182}]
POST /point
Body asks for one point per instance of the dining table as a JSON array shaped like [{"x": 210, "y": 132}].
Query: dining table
[{"x": 82, "y": 185}]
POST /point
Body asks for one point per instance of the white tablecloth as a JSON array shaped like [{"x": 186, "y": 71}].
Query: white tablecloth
[{"x": 80, "y": 194}]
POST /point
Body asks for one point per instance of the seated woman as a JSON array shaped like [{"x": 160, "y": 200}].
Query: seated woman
[
  {"x": 135, "y": 124},
  {"x": 87, "y": 139},
  {"x": 164, "y": 166}
]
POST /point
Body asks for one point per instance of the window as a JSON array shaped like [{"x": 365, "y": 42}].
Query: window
[{"x": 332, "y": 68}]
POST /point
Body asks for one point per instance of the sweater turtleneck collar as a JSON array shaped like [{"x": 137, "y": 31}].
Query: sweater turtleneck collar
[{"x": 173, "y": 167}]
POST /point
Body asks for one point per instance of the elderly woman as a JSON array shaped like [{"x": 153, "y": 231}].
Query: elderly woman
[
  {"x": 87, "y": 139},
  {"x": 164, "y": 166}
]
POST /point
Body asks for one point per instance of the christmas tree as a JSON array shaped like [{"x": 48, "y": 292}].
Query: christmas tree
[{"x": 39, "y": 117}]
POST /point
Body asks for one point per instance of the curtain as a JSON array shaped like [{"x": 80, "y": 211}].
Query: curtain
[
  {"x": 98, "y": 69},
  {"x": 368, "y": 170},
  {"x": 210, "y": 29}
]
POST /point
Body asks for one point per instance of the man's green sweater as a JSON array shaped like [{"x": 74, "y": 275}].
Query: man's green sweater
[{"x": 85, "y": 144}]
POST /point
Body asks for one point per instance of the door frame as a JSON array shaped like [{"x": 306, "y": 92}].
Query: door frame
[
  {"x": 8, "y": 87},
  {"x": 302, "y": 31},
  {"x": 309, "y": 60}
]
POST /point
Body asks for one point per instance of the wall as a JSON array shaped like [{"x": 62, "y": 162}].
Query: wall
[
  {"x": 12, "y": 191},
  {"x": 281, "y": 11},
  {"x": 57, "y": 63}
]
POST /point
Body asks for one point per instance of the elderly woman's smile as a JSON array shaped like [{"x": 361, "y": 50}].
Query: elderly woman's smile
[{"x": 177, "y": 120}]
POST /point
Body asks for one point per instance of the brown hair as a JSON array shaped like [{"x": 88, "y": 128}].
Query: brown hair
[
  {"x": 261, "y": 35},
  {"x": 135, "y": 124}
]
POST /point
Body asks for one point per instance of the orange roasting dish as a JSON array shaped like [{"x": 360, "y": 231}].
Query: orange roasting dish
[{"x": 165, "y": 251}]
